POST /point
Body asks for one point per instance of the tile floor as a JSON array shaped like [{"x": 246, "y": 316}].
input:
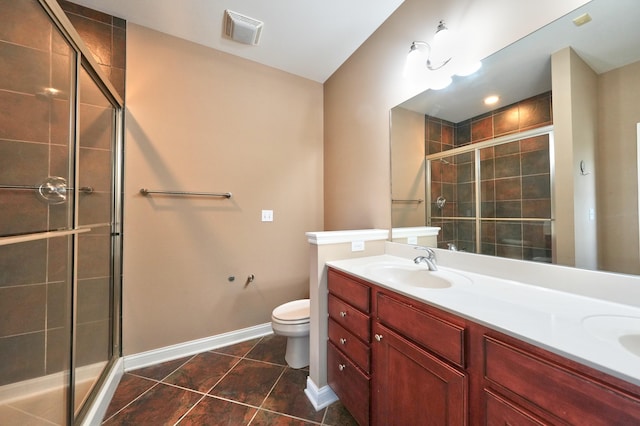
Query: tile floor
[{"x": 244, "y": 384}]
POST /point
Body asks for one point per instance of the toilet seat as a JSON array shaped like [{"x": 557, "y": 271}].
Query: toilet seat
[{"x": 295, "y": 312}]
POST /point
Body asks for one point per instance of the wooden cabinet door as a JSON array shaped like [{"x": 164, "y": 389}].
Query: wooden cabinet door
[
  {"x": 500, "y": 412},
  {"x": 412, "y": 386}
]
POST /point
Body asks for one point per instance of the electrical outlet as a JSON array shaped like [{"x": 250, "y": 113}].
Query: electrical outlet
[
  {"x": 357, "y": 246},
  {"x": 267, "y": 215}
]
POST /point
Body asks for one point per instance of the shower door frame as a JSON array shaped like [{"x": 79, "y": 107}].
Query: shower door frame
[
  {"x": 476, "y": 148},
  {"x": 85, "y": 60}
]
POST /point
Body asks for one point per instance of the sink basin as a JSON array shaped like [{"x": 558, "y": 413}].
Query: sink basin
[
  {"x": 631, "y": 342},
  {"x": 415, "y": 276},
  {"x": 621, "y": 329}
]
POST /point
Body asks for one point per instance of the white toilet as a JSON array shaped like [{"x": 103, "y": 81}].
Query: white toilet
[{"x": 292, "y": 320}]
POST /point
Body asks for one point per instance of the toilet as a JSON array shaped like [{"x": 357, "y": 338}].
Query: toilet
[{"x": 292, "y": 320}]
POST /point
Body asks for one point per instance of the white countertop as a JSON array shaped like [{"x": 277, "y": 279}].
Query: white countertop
[{"x": 578, "y": 327}]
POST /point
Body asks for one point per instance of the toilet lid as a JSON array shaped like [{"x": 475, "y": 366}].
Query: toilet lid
[{"x": 292, "y": 311}]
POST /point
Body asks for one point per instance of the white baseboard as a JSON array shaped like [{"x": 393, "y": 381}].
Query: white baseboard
[
  {"x": 97, "y": 411},
  {"x": 168, "y": 353},
  {"x": 319, "y": 397}
]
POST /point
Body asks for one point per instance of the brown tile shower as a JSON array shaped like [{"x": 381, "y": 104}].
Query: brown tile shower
[{"x": 514, "y": 182}]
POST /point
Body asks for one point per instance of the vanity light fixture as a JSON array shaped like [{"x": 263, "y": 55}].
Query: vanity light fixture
[{"x": 435, "y": 61}]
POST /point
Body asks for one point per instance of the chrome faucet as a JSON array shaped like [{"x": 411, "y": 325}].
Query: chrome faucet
[{"x": 429, "y": 259}]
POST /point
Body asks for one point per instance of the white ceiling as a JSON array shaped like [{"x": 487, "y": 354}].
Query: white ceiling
[
  {"x": 523, "y": 69},
  {"x": 310, "y": 39}
]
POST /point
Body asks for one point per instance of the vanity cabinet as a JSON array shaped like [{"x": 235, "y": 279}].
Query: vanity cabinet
[
  {"x": 348, "y": 350},
  {"x": 418, "y": 365},
  {"x": 547, "y": 389},
  {"x": 405, "y": 362},
  {"x": 412, "y": 387}
]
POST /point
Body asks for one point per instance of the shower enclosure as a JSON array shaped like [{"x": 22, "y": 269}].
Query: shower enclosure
[
  {"x": 60, "y": 218},
  {"x": 494, "y": 197}
]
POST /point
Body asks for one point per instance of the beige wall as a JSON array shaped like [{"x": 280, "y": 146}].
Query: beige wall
[
  {"x": 202, "y": 120},
  {"x": 318, "y": 335},
  {"x": 585, "y": 132},
  {"x": 359, "y": 95},
  {"x": 575, "y": 135},
  {"x": 619, "y": 112},
  {"x": 407, "y": 170}
]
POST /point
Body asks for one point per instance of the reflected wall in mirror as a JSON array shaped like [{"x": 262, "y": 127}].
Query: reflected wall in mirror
[{"x": 574, "y": 198}]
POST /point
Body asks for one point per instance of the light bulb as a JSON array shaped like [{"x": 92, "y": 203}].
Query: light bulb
[
  {"x": 443, "y": 35},
  {"x": 442, "y": 47},
  {"x": 415, "y": 63}
]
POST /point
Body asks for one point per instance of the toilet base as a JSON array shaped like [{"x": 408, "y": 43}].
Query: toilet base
[{"x": 297, "y": 354}]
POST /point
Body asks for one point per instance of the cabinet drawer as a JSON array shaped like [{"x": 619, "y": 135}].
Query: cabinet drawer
[
  {"x": 567, "y": 394},
  {"x": 439, "y": 336},
  {"x": 357, "y": 294},
  {"x": 350, "y": 318},
  {"x": 349, "y": 383},
  {"x": 350, "y": 345}
]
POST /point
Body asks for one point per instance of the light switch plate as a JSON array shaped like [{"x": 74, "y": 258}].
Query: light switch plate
[{"x": 267, "y": 215}]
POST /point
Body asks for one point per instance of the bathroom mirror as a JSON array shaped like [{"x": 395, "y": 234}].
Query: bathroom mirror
[{"x": 593, "y": 187}]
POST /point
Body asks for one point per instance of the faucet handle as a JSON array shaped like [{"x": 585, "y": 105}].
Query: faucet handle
[{"x": 431, "y": 255}]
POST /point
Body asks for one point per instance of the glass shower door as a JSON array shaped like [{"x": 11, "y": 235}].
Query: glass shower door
[
  {"x": 494, "y": 197},
  {"x": 515, "y": 190},
  {"x": 60, "y": 151},
  {"x": 452, "y": 204},
  {"x": 37, "y": 93},
  {"x": 94, "y": 292}
]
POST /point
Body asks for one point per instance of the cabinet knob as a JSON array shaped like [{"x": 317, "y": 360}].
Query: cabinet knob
[
  {"x": 378, "y": 337},
  {"x": 341, "y": 367},
  {"x": 343, "y": 314},
  {"x": 343, "y": 340}
]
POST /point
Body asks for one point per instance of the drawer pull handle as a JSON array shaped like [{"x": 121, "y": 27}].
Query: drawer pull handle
[
  {"x": 343, "y": 340},
  {"x": 378, "y": 337},
  {"x": 343, "y": 314},
  {"x": 341, "y": 367}
]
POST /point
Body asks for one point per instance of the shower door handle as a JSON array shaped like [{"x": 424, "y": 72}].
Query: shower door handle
[{"x": 53, "y": 190}]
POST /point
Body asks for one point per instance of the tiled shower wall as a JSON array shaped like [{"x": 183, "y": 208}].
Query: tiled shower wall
[
  {"x": 34, "y": 135},
  {"x": 515, "y": 181},
  {"x": 106, "y": 38}
]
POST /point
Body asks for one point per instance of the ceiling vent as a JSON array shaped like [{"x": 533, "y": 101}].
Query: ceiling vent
[{"x": 241, "y": 28}]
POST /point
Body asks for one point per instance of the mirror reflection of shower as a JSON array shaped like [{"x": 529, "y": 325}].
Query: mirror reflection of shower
[
  {"x": 493, "y": 197},
  {"x": 441, "y": 199}
]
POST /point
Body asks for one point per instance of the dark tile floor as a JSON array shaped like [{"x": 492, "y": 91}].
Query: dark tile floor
[{"x": 244, "y": 384}]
